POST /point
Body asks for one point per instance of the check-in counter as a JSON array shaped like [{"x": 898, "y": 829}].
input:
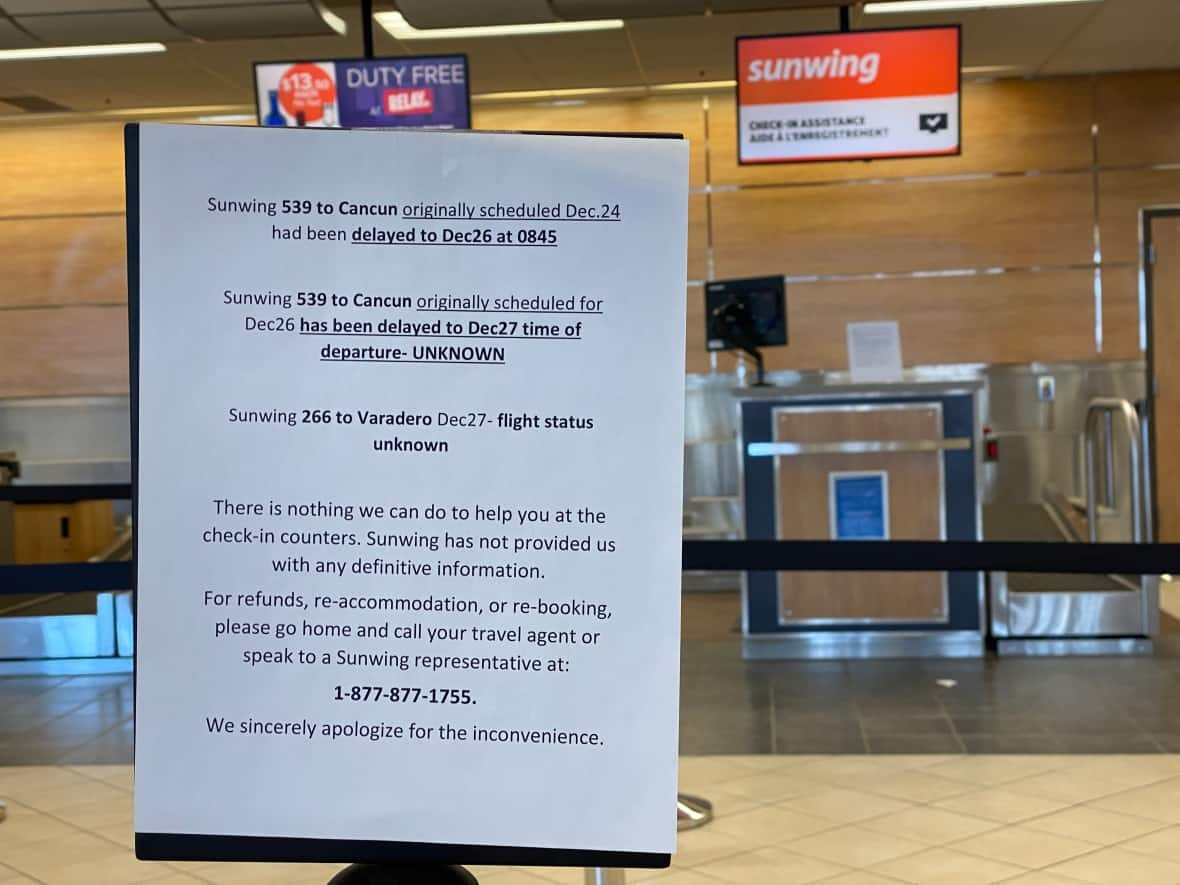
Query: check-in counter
[{"x": 861, "y": 462}]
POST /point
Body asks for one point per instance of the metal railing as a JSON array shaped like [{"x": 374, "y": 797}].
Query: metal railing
[{"x": 1104, "y": 410}]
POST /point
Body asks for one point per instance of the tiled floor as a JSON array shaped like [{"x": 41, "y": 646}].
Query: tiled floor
[
  {"x": 80, "y": 720},
  {"x": 731, "y": 706},
  {"x": 781, "y": 820},
  {"x": 845, "y": 773},
  {"x": 1013, "y": 705}
]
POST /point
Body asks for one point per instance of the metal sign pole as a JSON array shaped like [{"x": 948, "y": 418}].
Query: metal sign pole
[
  {"x": 601, "y": 876},
  {"x": 692, "y": 812},
  {"x": 367, "y": 26}
]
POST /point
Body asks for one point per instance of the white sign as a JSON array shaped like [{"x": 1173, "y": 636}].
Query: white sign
[
  {"x": 874, "y": 352},
  {"x": 410, "y": 435},
  {"x": 858, "y": 505}
]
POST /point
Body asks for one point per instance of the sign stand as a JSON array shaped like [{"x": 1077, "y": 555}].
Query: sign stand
[
  {"x": 403, "y": 874},
  {"x": 692, "y": 812},
  {"x": 605, "y": 876}
]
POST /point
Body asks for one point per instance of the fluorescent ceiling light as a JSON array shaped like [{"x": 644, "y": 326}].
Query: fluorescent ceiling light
[
  {"x": 80, "y": 51},
  {"x": 227, "y": 118},
  {"x": 952, "y": 5},
  {"x": 333, "y": 21},
  {"x": 694, "y": 85},
  {"x": 397, "y": 26}
]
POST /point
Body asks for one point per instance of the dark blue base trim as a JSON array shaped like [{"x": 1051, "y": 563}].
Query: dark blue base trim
[{"x": 267, "y": 849}]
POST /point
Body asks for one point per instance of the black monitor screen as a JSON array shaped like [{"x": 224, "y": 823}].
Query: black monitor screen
[{"x": 751, "y": 311}]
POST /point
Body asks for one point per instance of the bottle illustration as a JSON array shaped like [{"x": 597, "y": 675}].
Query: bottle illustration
[
  {"x": 330, "y": 118},
  {"x": 275, "y": 116},
  {"x": 300, "y": 118}
]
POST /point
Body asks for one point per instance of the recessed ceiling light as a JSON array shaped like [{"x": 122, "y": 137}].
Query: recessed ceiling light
[
  {"x": 397, "y": 26},
  {"x": 952, "y": 5},
  {"x": 80, "y": 51}
]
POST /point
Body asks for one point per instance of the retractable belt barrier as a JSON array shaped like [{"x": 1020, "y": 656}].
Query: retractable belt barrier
[
  {"x": 65, "y": 577},
  {"x": 932, "y": 556},
  {"x": 65, "y": 494},
  {"x": 758, "y": 556}
]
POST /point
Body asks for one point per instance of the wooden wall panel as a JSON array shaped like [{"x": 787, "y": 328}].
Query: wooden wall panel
[
  {"x": 1120, "y": 313},
  {"x": 698, "y": 236},
  {"x": 1121, "y": 194},
  {"x": 62, "y": 169},
  {"x": 913, "y": 501},
  {"x": 63, "y": 260},
  {"x": 683, "y": 114},
  {"x": 696, "y": 356},
  {"x": 56, "y": 175},
  {"x": 999, "y": 318},
  {"x": 1136, "y": 116},
  {"x": 903, "y": 226},
  {"x": 1008, "y": 126},
  {"x": 74, "y": 532},
  {"x": 63, "y": 351}
]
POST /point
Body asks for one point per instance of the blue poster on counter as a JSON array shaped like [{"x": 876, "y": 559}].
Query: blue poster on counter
[
  {"x": 425, "y": 92},
  {"x": 858, "y": 505}
]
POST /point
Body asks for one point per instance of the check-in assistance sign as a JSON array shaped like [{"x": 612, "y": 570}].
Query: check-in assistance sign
[{"x": 846, "y": 96}]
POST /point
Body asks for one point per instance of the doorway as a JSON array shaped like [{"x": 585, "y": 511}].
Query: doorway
[{"x": 1160, "y": 275}]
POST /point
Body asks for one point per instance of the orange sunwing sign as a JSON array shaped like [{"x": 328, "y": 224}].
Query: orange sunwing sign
[{"x": 854, "y": 95}]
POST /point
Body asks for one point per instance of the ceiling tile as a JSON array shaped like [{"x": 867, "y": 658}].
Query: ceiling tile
[
  {"x": 253, "y": 20},
  {"x": 460, "y": 13},
  {"x": 591, "y": 58},
  {"x": 591, "y": 9},
  {"x": 726, "y": 6},
  {"x": 1122, "y": 35},
  {"x": 12, "y": 37},
  {"x": 701, "y": 48},
  {"x": 1112, "y": 35},
  {"x": 1023, "y": 37},
  {"x": 46, "y": 7},
  {"x": 99, "y": 27},
  {"x": 188, "y": 4}
]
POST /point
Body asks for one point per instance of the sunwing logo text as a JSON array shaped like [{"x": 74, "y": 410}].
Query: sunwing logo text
[{"x": 862, "y": 68}]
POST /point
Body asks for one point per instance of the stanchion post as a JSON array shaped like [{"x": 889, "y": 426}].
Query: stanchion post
[
  {"x": 692, "y": 812},
  {"x": 403, "y": 874},
  {"x": 601, "y": 876}
]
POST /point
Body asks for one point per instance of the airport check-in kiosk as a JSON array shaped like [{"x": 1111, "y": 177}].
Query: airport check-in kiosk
[{"x": 861, "y": 462}]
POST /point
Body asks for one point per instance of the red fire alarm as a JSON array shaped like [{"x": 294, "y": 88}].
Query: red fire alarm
[{"x": 991, "y": 446}]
